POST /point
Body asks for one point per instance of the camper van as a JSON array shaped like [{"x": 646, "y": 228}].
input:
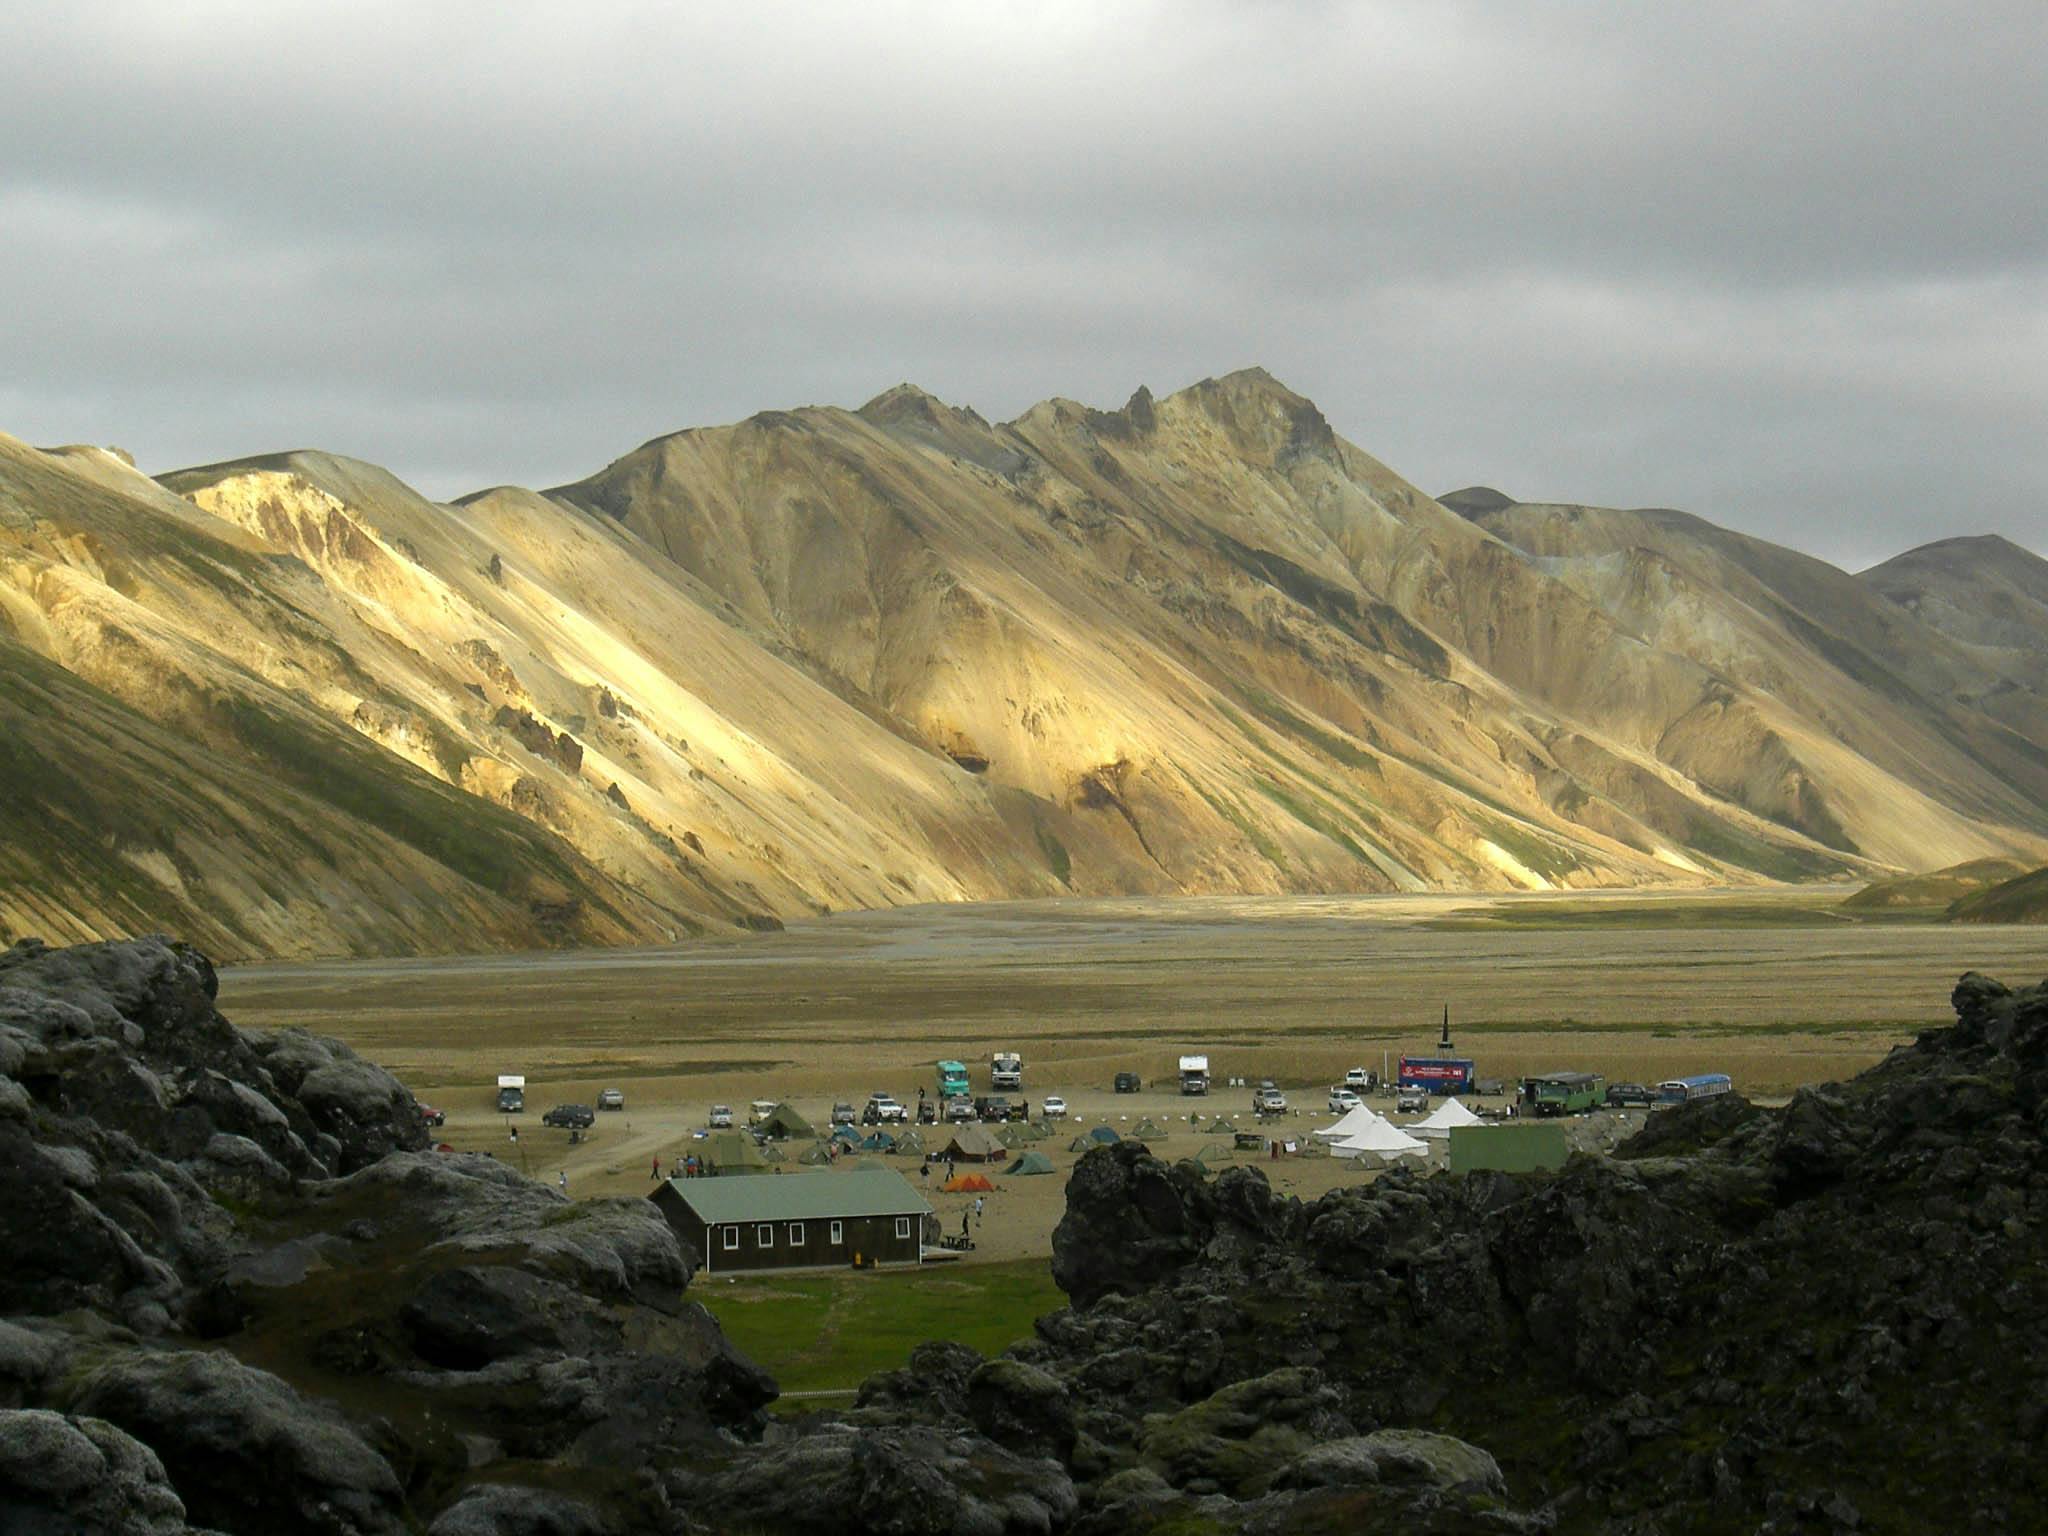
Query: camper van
[
  {"x": 511, "y": 1094},
  {"x": 1006, "y": 1072},
  {"x": 1194, "y": 1075}
]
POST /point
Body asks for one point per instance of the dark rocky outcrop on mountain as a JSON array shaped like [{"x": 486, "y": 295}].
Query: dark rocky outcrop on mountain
[
  {"x": 241, "y": 1292},
  {"x": 1814, "y": 1318}
]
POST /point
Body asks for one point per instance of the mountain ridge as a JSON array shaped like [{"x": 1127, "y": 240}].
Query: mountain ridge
[{"x": 824, "y": 658}]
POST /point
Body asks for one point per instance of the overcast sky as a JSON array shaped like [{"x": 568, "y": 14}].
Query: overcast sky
[{"x": 1782, "y": 265}]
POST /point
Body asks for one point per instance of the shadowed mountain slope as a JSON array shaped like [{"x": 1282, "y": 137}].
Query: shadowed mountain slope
[{"x": 828, "y": 658}]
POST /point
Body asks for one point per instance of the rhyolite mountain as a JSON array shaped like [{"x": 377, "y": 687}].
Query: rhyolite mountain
[{"x": 825, "y": 659}]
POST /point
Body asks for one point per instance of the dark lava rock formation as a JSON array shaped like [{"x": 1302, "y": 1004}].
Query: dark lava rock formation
[
  {"x": 1826, "y": 1317},
  {"x": 239, "y": 1295}
]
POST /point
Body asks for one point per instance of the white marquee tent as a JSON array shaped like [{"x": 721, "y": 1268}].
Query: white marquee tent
[
  {"x": 1383, "y": 1140},
  {"x": 1351, "y": 1124},
  {"x": 1444, "y": 1119}
]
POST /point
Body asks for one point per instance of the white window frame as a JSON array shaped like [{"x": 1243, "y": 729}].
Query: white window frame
[
  {"x": 732, "y": 1239},
  {"x": 764, "y": 1234},
  {"x": 903, "y": 1226},
  {"x": 838, "y": 1234},
  {"x": 797, "y": 1235}
]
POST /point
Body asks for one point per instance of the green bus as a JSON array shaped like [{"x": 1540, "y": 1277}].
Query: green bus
[
  {"x": 953, "y": 1080},
  {"x": 1563, "y": 1093}
]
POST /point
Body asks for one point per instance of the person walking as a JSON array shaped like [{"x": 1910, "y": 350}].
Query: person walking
[
  {"x": 965, "y": 1217},
  {"x": 654, "y": 1173},
  {"x": 977, "y": 1210},
  {"x": 562, "y": 1178}
]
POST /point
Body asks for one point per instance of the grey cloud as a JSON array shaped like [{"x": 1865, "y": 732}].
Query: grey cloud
[{"x": 1782, "y": 266}]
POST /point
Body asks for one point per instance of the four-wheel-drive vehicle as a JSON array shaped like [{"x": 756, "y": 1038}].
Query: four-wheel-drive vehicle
[
  {"x": 720, "y": 1118},
  {"x": 960, "y": 1109},
  {"x": 1361, "y": 1080},
  {"x": 1052, "y": 1107},
  {"x": 571, "y": 1117},
  {"x": 842, "y": 1114},
  {"x": 927, "y": 1112},
  {"x": 882, "y": 1109},
  {"x": 432, "y": 1116},
  {"x": 1269, "y": 1101},
  {"x": 611, "y": 1098},
  {"x": 995, "y": 1107},
  {"x": 760, "y": 1109},
  {"x": 1343, "y": 1100},
  {"x": 1411, "y": 1099},
  {"x": 511, "y": 1094},
  {"x": 1127, "y": 1082},
  {"x": 1620, "y": 1095},
  {"x": 1492, "y": 1087}
]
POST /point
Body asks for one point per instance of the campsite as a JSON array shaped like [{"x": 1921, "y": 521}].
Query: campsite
[{"x": 835, "y": 1009}]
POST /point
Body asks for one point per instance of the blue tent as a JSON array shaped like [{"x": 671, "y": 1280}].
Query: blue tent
[
  {"x": 878, "y": 1141},
  {"x": 846, "y": 1134}
]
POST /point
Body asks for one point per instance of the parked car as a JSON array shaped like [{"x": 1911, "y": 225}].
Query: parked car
[
  {"x": 611, "y": 1098},
  {"x": 960, "y": 1109},
  {"x": 997, "y": 1108},
  {"x": 1052, "y": 1107},
  {"x": 1361, "y": 1080},
  {"x": 1411, "y": 1100},
  {"x": 842, "y": 1114},
  {"x": 1491, "y": 1087},
  {"x": 760, "y": 1109},
  {"x": 1127, "y": 1082},
  {"x": 1620, "y": 1095},
  {"x": 882, "y": 1109},
  {"x": 1342, "y": 1101},
  {"x": 572, "y": 1117},
  {"x": 432, "y": 1116},
  {"x": 1269, "y": 1101},
  {"x": 720, "y": 1118}
]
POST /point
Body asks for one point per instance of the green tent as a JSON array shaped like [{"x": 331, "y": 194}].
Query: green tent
[
  {"x": 1220, "y": 1127},
  {"x": 1031, "y": 1162},
  {"x": 1012, "y": 1136},
  {"x": 911, "y": 1142},
  {"x": 815, "y": 1157},
  {"x": 1035, "y": 1130},
  {"x": 784, "y": 1123},
  {"x": 1216, "y": 1152},
  {"x": 725, "y": 1152},
  {"x": 1145, "y": 1130},
  {"x": 1100, "y": 1136}
]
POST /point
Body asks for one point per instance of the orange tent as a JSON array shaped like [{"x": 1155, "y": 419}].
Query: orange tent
[{"x": 969, "y": 1184}]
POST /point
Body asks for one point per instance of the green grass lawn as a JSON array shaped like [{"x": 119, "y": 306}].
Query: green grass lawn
[{"x": 829, "y": 1332}]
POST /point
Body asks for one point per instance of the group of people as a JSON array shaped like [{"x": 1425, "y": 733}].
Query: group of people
[{"x": 687, "y": 1166}]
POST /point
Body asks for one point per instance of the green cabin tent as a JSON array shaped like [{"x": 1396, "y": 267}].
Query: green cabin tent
[
  {"x": 1031, "y": 1162},
  {"x": 725, "y": 1152},
  {"x": 786, "y": 1124}
]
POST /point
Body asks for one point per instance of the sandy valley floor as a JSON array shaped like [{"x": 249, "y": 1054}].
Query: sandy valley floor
[{"x": 1296, "y": 989}]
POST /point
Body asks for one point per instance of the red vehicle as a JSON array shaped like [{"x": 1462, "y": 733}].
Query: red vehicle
[{"x": 432, "y": 1116}]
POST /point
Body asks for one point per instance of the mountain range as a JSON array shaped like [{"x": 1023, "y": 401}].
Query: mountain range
[{"x": 825, "y": 659}]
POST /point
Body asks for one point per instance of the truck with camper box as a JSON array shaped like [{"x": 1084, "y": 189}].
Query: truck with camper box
[
  {"x": 1006, "y": 1072},
  {"x": 1194, "y": 1076},
  {"x": 511, "y": 1094}
]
